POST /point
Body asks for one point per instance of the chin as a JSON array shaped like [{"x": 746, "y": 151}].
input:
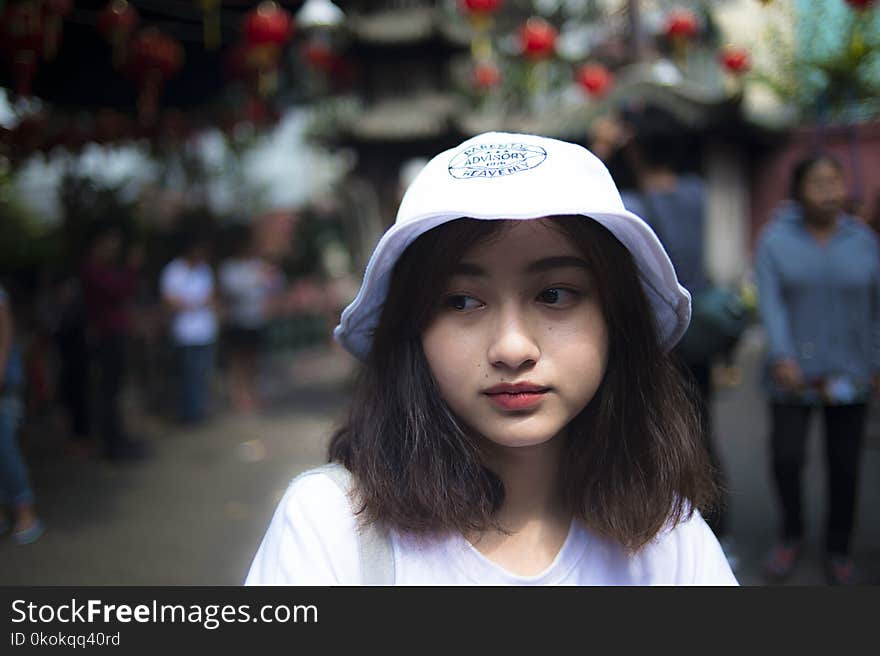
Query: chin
[{"x": 515, "y": 440}]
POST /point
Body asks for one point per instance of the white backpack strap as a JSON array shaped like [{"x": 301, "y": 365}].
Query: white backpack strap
[{"x": 374, "y": 542}]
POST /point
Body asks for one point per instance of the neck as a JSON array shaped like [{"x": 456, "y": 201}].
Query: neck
[
  {"x": 820, "y": 227},
  {"x": 531, "y": 483}
]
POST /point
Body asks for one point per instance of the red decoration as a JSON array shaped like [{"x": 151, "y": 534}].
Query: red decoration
[
  {"x": 861, "y": 5},
  {"x": 734, "y": 60},
  {"x": 484, "y": 7},
  {"x": 268, "y": 24},
  {"x": 537, "y": 38},
  {"x": 320, "y": 55},
  {"x": 54, "y": 12},
  {"x": 682, "y": 25},
  {"x": 154, "y": 58},
  {"x": 595, "y": 79},
  {"x": 486, "y": 75},
  {"x": 266, "y": 28},
  {"x": 22, "y": 32},
  {"x": 116, "y": 22}
]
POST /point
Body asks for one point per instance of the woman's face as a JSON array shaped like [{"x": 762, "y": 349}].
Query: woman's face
[
  {"x": 519, "y": 344},
  {"x": 823, "y": 192}
]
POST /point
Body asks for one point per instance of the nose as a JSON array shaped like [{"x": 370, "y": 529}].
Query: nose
[{"x": 513, "y": 344}]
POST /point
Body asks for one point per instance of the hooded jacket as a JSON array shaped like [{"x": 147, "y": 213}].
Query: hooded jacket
[{"x": 820, "y": 303}]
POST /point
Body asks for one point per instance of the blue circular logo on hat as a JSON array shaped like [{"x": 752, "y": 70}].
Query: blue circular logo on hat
[{"x": 495, "y": 160}]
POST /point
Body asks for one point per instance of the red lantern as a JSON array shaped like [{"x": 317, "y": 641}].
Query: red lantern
[
  {"x": 486, "y": 75},
  {"x": 861, "y": 5},
  {"x": 154, "y": 58},
  {"x": 537, "y": 38},
  {"x": 595, "y": 79},
  {"x": 268, "y": 24},
  {"x": 23, "y": 41},
  {"x": 682, "y": 25},
  {"x": 54, "y": 12},
  {"x": 267, "y": 28},
  {"x": 116, "y": 22},
  {"x": 734, "y": 60},
  {"x": 480, "y": 7},
  {"x": 320, "y": 55}
]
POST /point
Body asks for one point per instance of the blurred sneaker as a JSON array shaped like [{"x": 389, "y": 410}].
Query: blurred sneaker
[
  {"x": 782, "y": 560},
  {"x": 841, "y": 570}
]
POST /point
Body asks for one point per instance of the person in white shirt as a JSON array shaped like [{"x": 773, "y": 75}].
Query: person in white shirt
[
  {"x": 248, "y": 283},
  {"x": 187, "y": 289},
  {"x": 518, "y": 419}
]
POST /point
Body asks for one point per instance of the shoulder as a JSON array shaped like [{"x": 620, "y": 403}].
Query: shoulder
[
  {"x": 686, "y": 554},
  {"x": 312, "y": 537},
  {"x": 691, "y": 184},
  {"x": 778, "y": 232},
  {"x": 858, "y": 229}
]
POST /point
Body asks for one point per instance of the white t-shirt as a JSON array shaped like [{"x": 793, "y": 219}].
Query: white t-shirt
[
  {"x": 193, "y": 285},
  {"x": 247, "y": 284},
  {"x": 312, "y": 540}
]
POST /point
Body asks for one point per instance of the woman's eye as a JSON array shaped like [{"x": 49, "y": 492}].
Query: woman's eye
[
  {"x": 461, "y": 302},
  {"x": 557, "y": 296}
]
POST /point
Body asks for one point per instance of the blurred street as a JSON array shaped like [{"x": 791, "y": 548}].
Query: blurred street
[{"x": 195, "y": 513}]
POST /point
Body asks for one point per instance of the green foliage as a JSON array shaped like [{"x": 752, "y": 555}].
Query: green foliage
[
  {"x": 25, "y": 240},
  {"x": 838, "y": 63}
]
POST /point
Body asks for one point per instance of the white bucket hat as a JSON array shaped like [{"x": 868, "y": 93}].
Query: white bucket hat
[{"x": 500, "y": 175}]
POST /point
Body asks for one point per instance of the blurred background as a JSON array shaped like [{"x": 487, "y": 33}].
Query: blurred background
[{"x": 190, "y": 190}]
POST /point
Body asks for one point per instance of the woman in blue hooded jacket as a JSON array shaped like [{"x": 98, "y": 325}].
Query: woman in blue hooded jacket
[{"x": 818, "y": 275}]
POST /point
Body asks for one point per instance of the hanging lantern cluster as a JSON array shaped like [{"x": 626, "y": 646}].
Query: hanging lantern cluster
[
  {"x": 320, "y": 20},
  {"x": 734, "y": 60},
  {"x": 537, "y": 39},
  {"x": 485, "y": 72},
  {"x": 681, "y": 28},
  {"x": 486, "y": 75},
  {"x": 595, "y": 79},
  {"x": 116, "y": 23},
  {"x": 30, "y": 32},
  {"x": 265, "y": 30},
  {"x": 153, "y": 58}
]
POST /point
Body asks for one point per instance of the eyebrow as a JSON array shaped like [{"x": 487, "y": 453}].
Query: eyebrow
[{"x": 538, "y": 266}]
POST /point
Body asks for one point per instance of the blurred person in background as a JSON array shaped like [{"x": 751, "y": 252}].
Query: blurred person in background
[
  {"x": 71, "y": 342},
  {"x": 109, "y": 278},
  {"x": 818, "y": 275},
  {"x": 652, "y": 144},
  {"x": 249, "y": 286},
  {"x": 15, "y": 488},
  {"x": 187, "y": 288}
]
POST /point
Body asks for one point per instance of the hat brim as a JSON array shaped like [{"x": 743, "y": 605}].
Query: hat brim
[{"x": 669, "y": 300}]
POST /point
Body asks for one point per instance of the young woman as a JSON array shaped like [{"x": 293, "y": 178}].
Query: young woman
[
  {"x": 818, "y": 275},
  {"x": 517, "y": 419}
]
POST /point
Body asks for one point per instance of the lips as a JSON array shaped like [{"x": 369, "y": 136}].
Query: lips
[
  {"x": 520, "y": 396},
  {"x": 516, "y": 388}
]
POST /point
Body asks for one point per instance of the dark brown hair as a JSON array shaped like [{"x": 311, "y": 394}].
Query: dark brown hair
[{"x": 633, "y": 458}]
